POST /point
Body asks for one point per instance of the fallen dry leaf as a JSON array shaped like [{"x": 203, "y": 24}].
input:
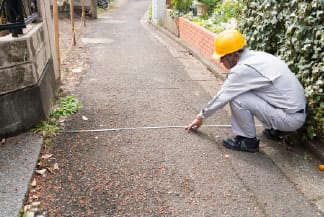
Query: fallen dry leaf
[
  {"x": 46, "y": 156},
  {"x": 89, "y": 212},
  {"x": 35, "y": 197},
  {"x": 49, "y": 169},
  {"x": 35, "y": 204},
  {"x": 77, "y": 70},
  {"x": 41, "y": 172},
  {"x": 56, "y": 167},
  {"x": 27, "y": 207},
  {"x": 33, "y": 183}
]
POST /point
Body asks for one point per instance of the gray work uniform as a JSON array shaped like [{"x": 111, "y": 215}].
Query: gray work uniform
[{"x": 260, "y": 85}]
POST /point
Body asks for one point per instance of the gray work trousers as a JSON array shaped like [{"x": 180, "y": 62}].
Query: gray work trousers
[{"x": 248, "y": 105}]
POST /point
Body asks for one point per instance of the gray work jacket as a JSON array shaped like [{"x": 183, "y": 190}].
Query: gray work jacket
[{"x": 264, "y": 75}]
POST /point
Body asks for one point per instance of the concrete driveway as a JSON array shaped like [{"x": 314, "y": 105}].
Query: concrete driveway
[{"x": 138, "y": 77}]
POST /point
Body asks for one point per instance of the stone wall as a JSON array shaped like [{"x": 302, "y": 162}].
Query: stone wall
[
  {"x": 28, "y": 76},
  {"x": 23, "y": 59}
]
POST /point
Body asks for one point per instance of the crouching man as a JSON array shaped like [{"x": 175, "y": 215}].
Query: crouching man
[{"x": 258, "y": 85}]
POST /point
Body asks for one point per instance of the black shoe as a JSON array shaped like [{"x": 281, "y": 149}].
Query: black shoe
[
  {"x": 273, "y": 134},
  {"x": 241, "y": 143}
]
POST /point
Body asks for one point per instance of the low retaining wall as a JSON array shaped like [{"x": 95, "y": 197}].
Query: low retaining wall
[
  {"x": 171, "y": 22},
  {"x": 20, "y": 110},
  {"x": 27, "y": 80},
  {"x": 197, "y": 37}
]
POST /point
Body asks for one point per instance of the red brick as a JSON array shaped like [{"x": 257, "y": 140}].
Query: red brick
[{"x": 197, "y": 37}]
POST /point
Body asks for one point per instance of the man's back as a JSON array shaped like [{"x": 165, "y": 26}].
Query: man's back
[{"x": 283, "y": 89}]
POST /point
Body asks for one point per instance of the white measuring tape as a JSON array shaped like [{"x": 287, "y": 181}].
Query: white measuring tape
[{"x": 141, "y": 128}]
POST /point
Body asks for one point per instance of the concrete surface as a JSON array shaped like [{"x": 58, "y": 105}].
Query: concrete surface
[
  {"x": 139, "y": 77},
  {"x": 18, "y": 159},
  {"x": 194, "y": 173}
]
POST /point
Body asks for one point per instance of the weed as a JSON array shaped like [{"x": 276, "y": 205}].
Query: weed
[
  {"x": 22, "y": 213},
  {"x": 47, "y": 129},
  {"x": 47, "y": 143},
  {"x": 150, "y": 12},
  {"x": 66, "y": 106}
]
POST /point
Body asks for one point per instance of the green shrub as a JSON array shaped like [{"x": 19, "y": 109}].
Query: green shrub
[
  {"x": 181, "y": 6},
  {"x": 224, "y": 16},
  {"x": 211, "y": 4},
  {"x": 294, "y": 31},
  {"x": 229, "y": 9}
]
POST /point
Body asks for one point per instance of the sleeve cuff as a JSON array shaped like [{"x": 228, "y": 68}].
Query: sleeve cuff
[{"x": 202, "y": 114}]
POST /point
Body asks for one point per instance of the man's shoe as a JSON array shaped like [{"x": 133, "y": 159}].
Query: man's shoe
[
  {"x": 241, "y": 143},
  {"x": 273, "y": 134}
]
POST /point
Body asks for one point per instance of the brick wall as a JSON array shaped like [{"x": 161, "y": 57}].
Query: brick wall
[{"x": 197, "y": 37}]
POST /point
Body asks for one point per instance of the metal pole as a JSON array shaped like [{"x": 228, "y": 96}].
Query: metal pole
[
  {"x": 57, "y": 36},
  {"x": 83, "y": 14},
  {"x": 94, "y": 14},
  {"x": 72, "y": 21}
]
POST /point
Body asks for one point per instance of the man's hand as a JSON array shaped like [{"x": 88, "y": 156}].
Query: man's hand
[{"x": 195, "y": 124}]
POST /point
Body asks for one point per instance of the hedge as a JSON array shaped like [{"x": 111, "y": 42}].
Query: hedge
[{"x": 294, "y": 31}]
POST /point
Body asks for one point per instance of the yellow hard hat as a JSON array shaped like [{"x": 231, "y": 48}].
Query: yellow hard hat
[{"x": 228, "y": 41}]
